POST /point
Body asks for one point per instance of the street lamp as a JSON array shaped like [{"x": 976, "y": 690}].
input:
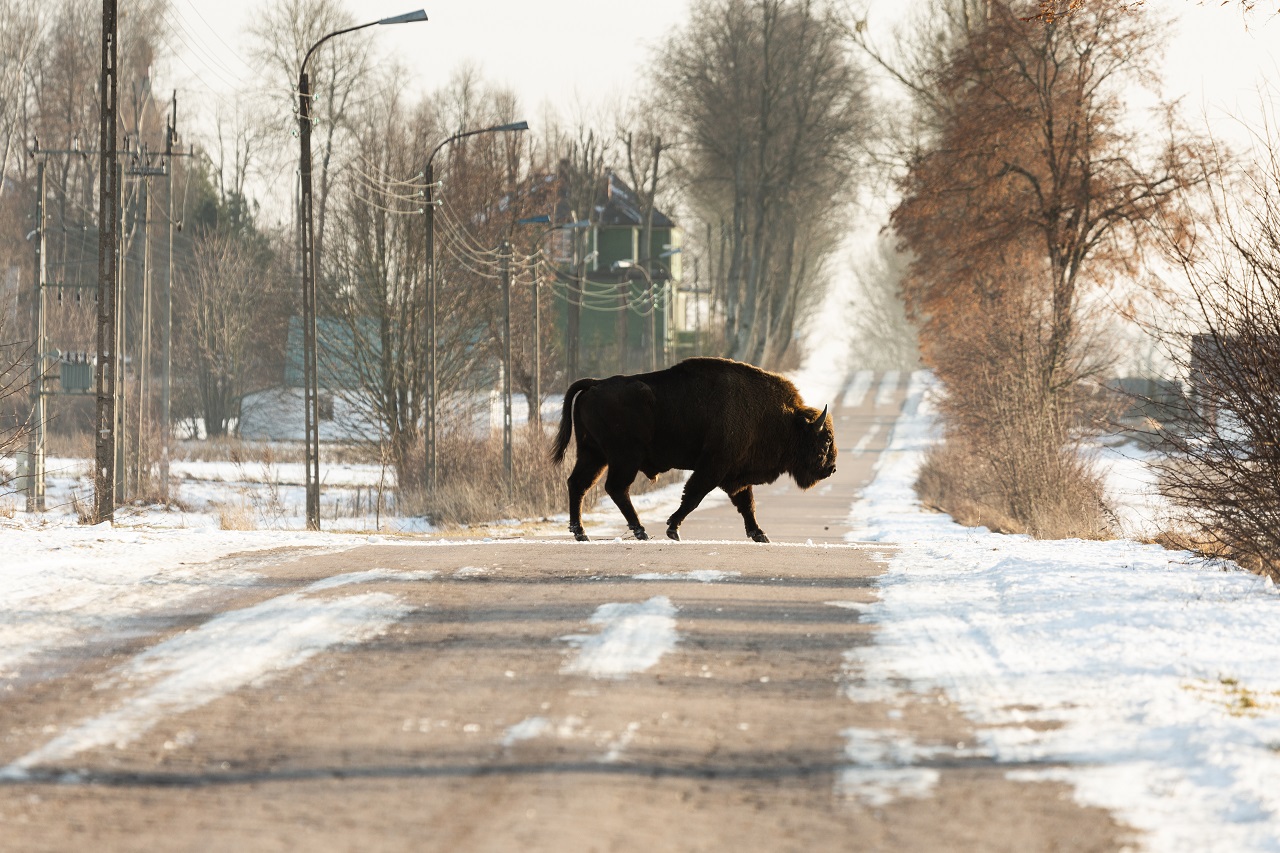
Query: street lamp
[
  {"x": 310, "y": 358},
  {"x": 429, "y": 176}
]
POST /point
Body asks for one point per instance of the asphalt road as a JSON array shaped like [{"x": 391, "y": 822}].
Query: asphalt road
[{"x": 473, "y": 723}]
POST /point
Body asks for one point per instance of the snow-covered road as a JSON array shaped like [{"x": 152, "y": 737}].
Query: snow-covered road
[{"x": 1146, "y": 681}]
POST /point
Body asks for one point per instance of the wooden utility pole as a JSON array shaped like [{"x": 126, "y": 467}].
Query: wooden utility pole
[
  {"x": 166, "y": 329},
  {"x": 106, "y": 367},
  {"x": 310, "y": 361}
]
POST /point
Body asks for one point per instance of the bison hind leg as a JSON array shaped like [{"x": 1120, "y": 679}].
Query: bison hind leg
[{"x": 617, "y": 484}]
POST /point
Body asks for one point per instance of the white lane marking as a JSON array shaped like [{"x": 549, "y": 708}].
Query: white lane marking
[
  {"x": 863, "y": 442},
  {"x": 633, "y": 637},
  {"x": 857, "y": 390},
  {"x": 888, "y": 388},
  {"x": 232, "y": 650},
  {"x": 699, "y": 575}
]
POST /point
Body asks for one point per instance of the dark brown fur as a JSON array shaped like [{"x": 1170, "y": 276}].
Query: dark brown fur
[{"x": 733, "y": 425}]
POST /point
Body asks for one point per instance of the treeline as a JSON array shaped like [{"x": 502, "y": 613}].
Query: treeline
[
  {"x": 749, "y": 129},
  {"x": 1033, "y": 202}
]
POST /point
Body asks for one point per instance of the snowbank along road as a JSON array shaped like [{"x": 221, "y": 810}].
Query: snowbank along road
[{"x": 533, "y": 694}]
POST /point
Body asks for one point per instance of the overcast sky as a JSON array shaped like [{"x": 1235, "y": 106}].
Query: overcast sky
[
  {"x": 581, "y": 54},
  {"x": 565, "y": 52}
]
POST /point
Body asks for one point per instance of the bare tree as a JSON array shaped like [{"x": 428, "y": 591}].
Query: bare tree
[
  {"x": 378, "y": 247},
  {"x": 339, "y": 72},
  {"x": 773, "y": 112},
  {"x": 1026, "y": 191},
  {"x": 1223, "y": 468},
  {"x": 20, "y": 25},
  {"x": 224, "y": 310}
]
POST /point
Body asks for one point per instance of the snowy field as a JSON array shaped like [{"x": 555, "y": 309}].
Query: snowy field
[
  {"x": 1154, "y": 677},
  {"x": 1146, "y": 679},
  {"x": 250, "y": 494}
]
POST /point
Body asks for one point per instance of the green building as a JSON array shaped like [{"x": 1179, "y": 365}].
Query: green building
[{"x": 622, "y": 294}]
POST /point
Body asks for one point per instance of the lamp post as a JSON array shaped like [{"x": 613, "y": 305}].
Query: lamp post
[
  {"x": 429, "y": 414},
  {"x": 310, "y": 358}
]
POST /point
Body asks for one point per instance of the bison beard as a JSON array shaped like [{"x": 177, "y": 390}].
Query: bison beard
[{"x": 732, "y": 425}]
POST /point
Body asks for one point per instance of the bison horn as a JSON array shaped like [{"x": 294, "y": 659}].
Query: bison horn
[{"x": 820, "y": 419}]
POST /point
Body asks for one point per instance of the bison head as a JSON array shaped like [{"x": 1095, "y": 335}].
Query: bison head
[{"x": 815, "y": 447}]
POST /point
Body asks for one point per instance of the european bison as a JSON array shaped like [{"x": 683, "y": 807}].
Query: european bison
[{"x": 731, "y": 424}]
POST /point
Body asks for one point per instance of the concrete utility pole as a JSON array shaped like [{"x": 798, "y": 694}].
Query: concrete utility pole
[
  {"x": 35, "y": 439},
  {"x": 143, "y": 347},
  {"x": 105, "y": 368},
  {"x": 535, "y": 404},
  {"x": 122, "y": 314},
  {"x": 505, "y": 256},
  {"x": 429, "y": 404}
]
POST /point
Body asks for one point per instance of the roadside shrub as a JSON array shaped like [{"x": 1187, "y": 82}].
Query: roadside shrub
[{"x": 1011, "y": 461}]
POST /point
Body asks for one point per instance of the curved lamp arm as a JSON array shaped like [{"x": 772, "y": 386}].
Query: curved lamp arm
[
  {"x": 406, "y": 18},
  {"x": 497, "y": 128}
]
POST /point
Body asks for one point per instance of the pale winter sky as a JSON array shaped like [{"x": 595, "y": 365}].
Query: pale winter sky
[{"x": 584, "y": 52}]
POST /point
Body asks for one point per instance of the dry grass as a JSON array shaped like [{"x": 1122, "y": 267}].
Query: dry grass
[
  {"x": 1055, "y": 497},
  {"x": 238, "y": 517},
  {"x": 473, "y": 488}
]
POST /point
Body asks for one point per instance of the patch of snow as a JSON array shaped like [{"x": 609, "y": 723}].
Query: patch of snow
[
  {"x": 867, "y": 437},
  {"x": 371, "y": 575},
  {"x": 1149, "y": 681},
  {"x": 857, "y": 390},
  {"x": 880, "y": 770},
  {"x": 527, "y": 729},
  {"x": 632, "y": 638},
  {"x": 236, "y": 649},
  {"x": 64, "y": 585},
  {"x": 699, "y": 575},
  {"x": 887, "y": 393},
  {"x": 617, "y": 746}
]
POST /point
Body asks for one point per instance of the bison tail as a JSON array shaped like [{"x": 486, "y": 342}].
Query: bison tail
[{"x": 566, "y": 418}]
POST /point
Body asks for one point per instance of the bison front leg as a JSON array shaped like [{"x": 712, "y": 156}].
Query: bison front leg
[
  {"x": 618, "y": 486},
  {"x": 744, "y": 499},
  {"x": 698, "y": 486}
]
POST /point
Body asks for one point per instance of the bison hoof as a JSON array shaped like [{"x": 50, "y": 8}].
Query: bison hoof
[
  {"x": 759, "y": 536},
  {"x": 578, "y": 533},
  {"x": 639, "y": 533},
  {"x": 672, "y": 533}
]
